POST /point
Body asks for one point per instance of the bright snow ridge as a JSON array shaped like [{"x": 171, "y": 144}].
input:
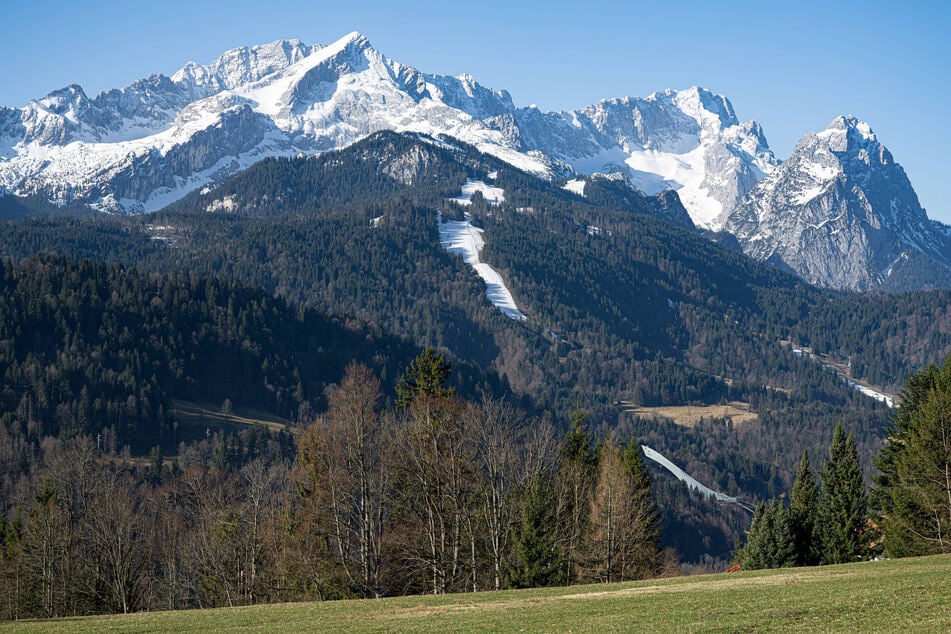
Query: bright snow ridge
[
  {"x": 686, "y": 478},
  {"x": 459, "y": 236}
]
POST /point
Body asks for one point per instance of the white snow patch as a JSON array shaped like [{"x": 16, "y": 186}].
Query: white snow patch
[
  {"x": 686, "y": 478},
  {"x": 654, "y": 171},
  {"x": 226, "y": 204},
  {"x": 881, "y": 397},
  {"x": 819, "y": 171},
  {"x": 576, "y": 186},
  {"x": 492, "y": 175},
  {"x": 375, "y": 222},
  {"x": 867, "y": 391},
  {"x": 460, "y": 237},
  {"x": 493, "y": 195}
]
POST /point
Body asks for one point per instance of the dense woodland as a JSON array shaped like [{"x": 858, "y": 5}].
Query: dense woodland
[
  {"x": 437, "y": 494},
  {"x": 257, "y": 295}
]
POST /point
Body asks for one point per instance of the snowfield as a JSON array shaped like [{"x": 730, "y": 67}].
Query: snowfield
[
  {"x": 493, "y": 195},
  {"x": 460, "y": 237},
  {"x": 142, "y": 147},
  {"x": 575, "y": 186}
]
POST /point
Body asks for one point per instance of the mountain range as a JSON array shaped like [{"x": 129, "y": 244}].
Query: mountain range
[{"x": 840, "y": 212}]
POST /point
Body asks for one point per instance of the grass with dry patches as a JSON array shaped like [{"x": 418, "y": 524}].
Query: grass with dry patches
[
  {"x": 690, "y": 415},
  {"x": 196, "y": 414},
  {"x": 898, "y": 595}
]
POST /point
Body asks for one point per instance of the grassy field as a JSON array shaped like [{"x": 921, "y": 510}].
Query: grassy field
[
  {"x": 195, "y": 414},
  {"x": 900, "y": 595},
  {"x": 690, "y": 415}
]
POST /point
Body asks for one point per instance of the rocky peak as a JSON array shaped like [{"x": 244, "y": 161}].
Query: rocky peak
[{"x": 840, "y": 212}]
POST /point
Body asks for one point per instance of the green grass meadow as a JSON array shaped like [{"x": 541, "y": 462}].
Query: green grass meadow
[{"x": 883, "y": 596}]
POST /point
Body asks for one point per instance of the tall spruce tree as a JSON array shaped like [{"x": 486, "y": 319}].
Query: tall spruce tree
[
  {"x": 843, "y": 502},
  {"x": 535, "y": 559},
  {"x": 803, "y": 508},
  {"x": 631, "y": 455},
  {"x": 577, "y": 464},
  {"x": 913, "y": 486}
]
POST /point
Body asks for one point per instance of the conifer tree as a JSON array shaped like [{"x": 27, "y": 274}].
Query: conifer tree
[
  {"x": 770, "y": 542},
  {"x": 577, "y": 463},
  {"x": 535, "y": 556},
  {"x": 427, "y": 374},
  {"x": 641, "y": 481},
  {"x": 913, "y": 491},
  {"x": 843, "y": 502},
  {"x": 803, "y": 509}
]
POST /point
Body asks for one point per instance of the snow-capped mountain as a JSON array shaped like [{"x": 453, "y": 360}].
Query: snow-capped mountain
[
  {"x": 144, "y": 146},
  {"x": 840, "y": 212},
  {"x": 689, "y": 141}
]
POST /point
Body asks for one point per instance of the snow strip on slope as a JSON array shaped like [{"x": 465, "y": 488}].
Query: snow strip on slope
[
  {"x": 459, "y": 236},
  {"x": 888, "y": 400},
  {"x": 867, "y": 391},
  {"x": 575, "y": 186},
  {"x": 494, "y": 195},
  {"x": 691, "y": 483}
]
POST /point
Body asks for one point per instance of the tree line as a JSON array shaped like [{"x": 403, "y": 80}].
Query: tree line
[
  {"x": 435, "y": 494},
  {"x": 837, "y": 520}
]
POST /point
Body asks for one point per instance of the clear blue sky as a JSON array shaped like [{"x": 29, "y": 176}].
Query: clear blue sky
[{"x": 792, "y": 66}]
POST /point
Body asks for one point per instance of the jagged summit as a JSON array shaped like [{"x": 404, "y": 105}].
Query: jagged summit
[
  {"x": 243, "y": 65},
  {"x": 839, "y": 212},
  {"x": 140, "y": 147}
]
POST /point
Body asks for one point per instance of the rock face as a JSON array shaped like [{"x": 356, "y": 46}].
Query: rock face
[
  {"x": 689, "y": 141},
  {"x": 840, "y": 212},
  {"x": 143, "y": 146}
]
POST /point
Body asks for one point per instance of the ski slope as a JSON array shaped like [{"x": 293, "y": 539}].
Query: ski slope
[{"x": 691, "y": 482}]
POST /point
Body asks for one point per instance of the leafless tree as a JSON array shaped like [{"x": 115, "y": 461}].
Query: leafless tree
[{"x": 116, "y": 542}]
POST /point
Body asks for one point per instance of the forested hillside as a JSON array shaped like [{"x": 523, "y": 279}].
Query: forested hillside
[
  {"x": 93, "y": 350},
  {"x": 624, "y": 309}
]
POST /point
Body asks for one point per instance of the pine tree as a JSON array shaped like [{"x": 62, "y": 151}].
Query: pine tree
[
  {"x": 913, "y": 491},
  {"x": 427, "y": 374},
  {"x": 843, "y": 502},
  {"x": 782, "y": 544},
  {"x": 753, "y": 554},
  {"x": 577, "y": 463},
  {"x": 803, "y": 509},
  {"x": 649, "y": 551},
  {"x": 535, "y": 556},
  {"x": 770, "y": 542}
]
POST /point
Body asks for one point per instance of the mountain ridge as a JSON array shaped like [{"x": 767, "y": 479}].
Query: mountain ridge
[{"x": 147, "y": 145}]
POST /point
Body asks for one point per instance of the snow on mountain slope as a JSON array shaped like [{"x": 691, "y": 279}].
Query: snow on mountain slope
[
  {"x": 460, "y": 237},
  {"x": 840, "y": 212},
  {"x": 493, "y": 195},
  {"x": 575, "y": 186},
  {"x": 143, "y": 146},
  {"x": 689, "y": 141}
]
